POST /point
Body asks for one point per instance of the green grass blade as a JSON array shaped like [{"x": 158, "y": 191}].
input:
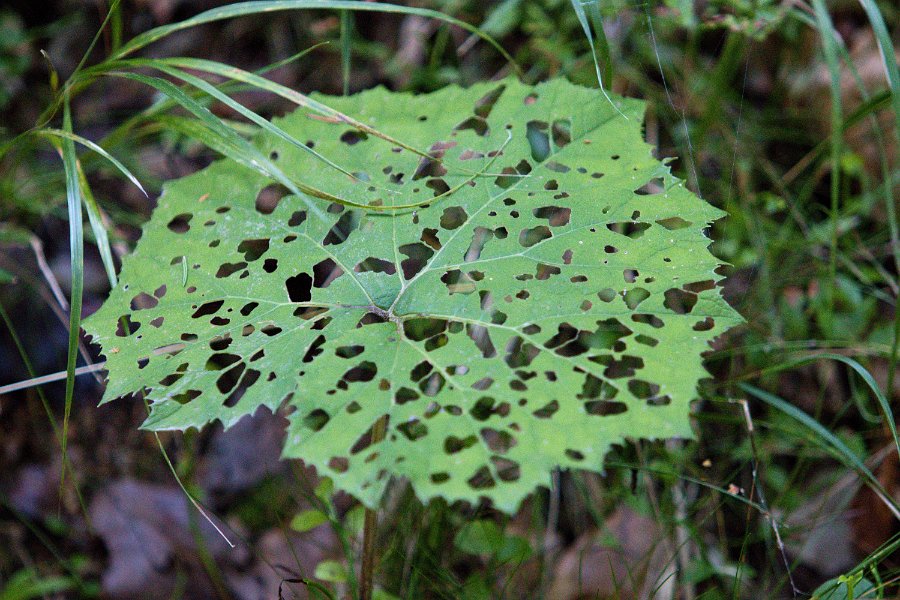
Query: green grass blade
[
  {"x": 830, "y": 44},
  {"x": 98, "y": 227},
  {"x": 211, "y": 90},
  {"x": 828, "y": 440},
  {"x": 240, "y": 9},
  {"x": 96, "y": 148},
  {"x": 297, "y": 98},
  {"x": 346, "y": 48},
  {"x": 76, "y": 246},
  {"x": 864, "y": 375},
  {"x": 886, "y": 48},
  {"x": 586, "y": 26}
]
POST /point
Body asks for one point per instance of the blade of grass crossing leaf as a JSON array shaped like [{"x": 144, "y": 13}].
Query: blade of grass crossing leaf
[
  {"x": 96, "y": 148},
  {"x": 593, "y": 11},
  {"x": 210, "y": 89},
  {"x": 829, "y": 440},
  {"x": 233, "y": 145},
  {"x": 240, "y": 9},
  {"x": 586, "y": 26},
  {"x": 297, "y": 98},
  {"x": 98, "y": 227},
  {"x": 120, "y": 133},
  {"x": 76, "y": 249},
  {"x": 830, "y": 42}
]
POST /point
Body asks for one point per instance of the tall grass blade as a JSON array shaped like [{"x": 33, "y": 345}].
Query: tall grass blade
[
  {"x": 827, "y": 440},
  {"x": 240, "y": 9},
  {"x": 830, "y": 44},
  {"x": 601, "y": 35},
  {"x": 76, "y": 249},
  {"x": 96, "y": 148}
]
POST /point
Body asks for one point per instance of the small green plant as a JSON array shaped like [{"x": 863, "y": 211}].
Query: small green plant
[{"x": 513, "y": 287}]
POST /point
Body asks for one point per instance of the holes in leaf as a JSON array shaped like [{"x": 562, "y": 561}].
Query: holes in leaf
[
  {"x": 630, "y": 275},
  {"x": 480, "y": 237},
  {"x": 457, "y": 282},
  {"x": 646, "y": 340},
  {"x": 173, "y": 378},
  {"x": 220, "y": 342},
  {"x": 338, "y": 464},
  {"x": 143, "y": 301},
  {"x": 413, "y": 430},
  {"x": 679, "y": 301},
  {"x": 208, "y": 308},
  {"x": 604, "y": 408},
  {"x": 250, "y": 377},
  {"x": 375, "y": 265},
  {"x": 476, "y": 124},
  {"x": 418, "y": 255},
  {"x": 624, "y": 367},
  {"x": 180, "y": 223},
  {"x": 530, "y": 237},
  {"x": 699, "y": 286},
  {"x": 705, "y": 325},
  {"x": 651, "y": 188},
  {"x": 186, "y": 397},
  {"x": 562, "y": 133},
  {"x": 297, "y": 218},
  {"x": 349, "y": 351},
  {"x": 674, "y": 223},
  {"x": 453, "y": 217},
  {"x": 253, "y": 249},
  {"x": 353, "y": 136},
  {"x": 229, "y": 269},
  {"x": 299, "y": 287},
  {"x": 643, "y": 389},
  {"x": 635, "y": 296},
  {"x": 557, "y": 216},
  {"x": 268, "y": 198},
  {"x": 432, "y": 385},
  {"x": 314, "y": 350},
  {"x": 404, "y": 395},
  {"x": 270, "y": 265},
  {"x": 485, "y": 408},
  {"x": 365, "y": 440},
  {"x": 498, "y": 441},
  {"x": 481, "y": 480},
  {"x": 342, "y": 229},
  {"x": 364, "y": 371},
  {"x": 157, "y": 322},
  {"x": 485, "y": 104},
  {"x": 647, "y": 319},
  {"x": 423, "y": 328},
  {"x": 547, "y": 411},
  {"x": 538, "y": 140},
  {"x": 482, "y": 338},
  {"x": 229, "y": 379},
  {"x": 316, "y": 419},
  {"x": 453, "y": 444},
  {"x": 630, "y": 229},
  {"x": 270, "y": 329},
  {"x": 519, "y": 353}
]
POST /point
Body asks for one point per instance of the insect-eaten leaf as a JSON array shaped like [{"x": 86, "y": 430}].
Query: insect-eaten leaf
[{"x": 535, "y": 307}]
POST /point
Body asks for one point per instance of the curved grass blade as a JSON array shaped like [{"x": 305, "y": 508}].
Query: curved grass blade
[
  {"x": 861, "y": 371},
  {"x": 240, "y": 9},
  {"x": 68, "y": 135},
  {"x": 76, "y": 248},
  {"x": 830, "y": 441}
]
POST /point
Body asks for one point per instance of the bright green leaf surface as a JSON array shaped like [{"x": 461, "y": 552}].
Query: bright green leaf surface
[{"x": 554, "y": 304}]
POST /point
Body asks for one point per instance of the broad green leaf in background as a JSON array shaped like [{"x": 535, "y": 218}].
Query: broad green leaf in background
[{"x": 555, "y": 303}]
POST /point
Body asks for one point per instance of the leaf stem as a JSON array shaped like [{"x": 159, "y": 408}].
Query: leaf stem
[{"x": 370, "y": 523}]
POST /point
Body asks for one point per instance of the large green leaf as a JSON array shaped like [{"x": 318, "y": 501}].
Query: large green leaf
[{"x": 553, "y": 299}]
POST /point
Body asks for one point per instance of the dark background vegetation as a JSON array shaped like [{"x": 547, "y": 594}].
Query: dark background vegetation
[{"x": 737, "y": 90}]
